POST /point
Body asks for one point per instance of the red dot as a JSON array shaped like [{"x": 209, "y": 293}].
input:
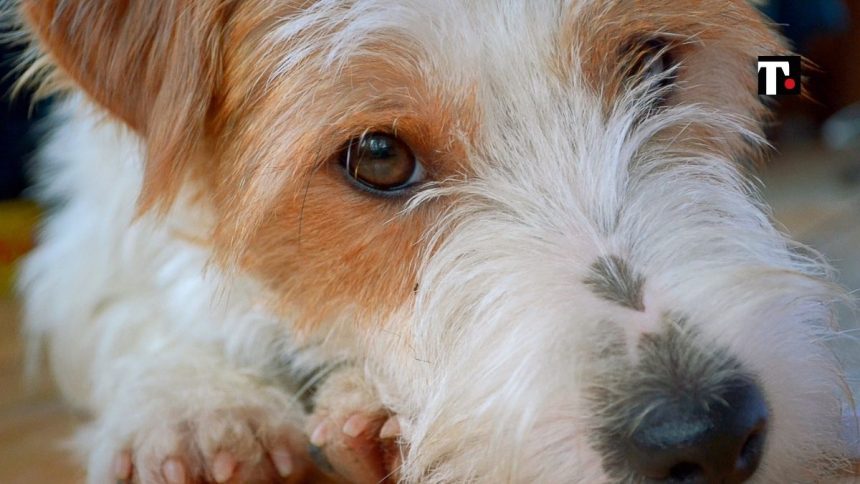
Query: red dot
[{"x": 790, "y": 84}]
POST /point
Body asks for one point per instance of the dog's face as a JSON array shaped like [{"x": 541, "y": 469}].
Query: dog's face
[{"x": 530, "y": 219}]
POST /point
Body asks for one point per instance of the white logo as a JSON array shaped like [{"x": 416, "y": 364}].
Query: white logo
[{"x": 770, "y": 72}]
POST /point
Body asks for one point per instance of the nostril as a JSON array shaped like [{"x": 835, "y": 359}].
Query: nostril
[
  {"x": 685, "y": 472},
  {"x": 750, "y": 454},
  {"x": 684, "y": 440}
]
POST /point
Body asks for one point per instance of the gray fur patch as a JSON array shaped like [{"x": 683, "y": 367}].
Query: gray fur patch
[
  {"x": 612, "y": 279},
  {"x": 674, "y": 365}
]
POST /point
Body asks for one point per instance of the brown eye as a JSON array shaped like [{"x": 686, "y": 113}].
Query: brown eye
[{"x": 381, "y": 162}]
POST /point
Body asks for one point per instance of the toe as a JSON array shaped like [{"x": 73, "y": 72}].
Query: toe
[{"x": 355, "y": 451}]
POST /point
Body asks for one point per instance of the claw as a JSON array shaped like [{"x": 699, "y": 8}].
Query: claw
[
  {"x": 320, "y": 435},
  {"x": 174, "y": 471},
  {"x": 283, "y": 461},
  {"x": 223, "y": 467},
  {"x": 390, "y": 429},
  {"x": 356, "y": 425},
  {"x": 122, "y": 466}
]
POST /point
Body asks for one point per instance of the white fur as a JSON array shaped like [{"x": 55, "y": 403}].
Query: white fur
[
  {"x": 488, "y": 367},
  {"x": 135, "y": 316}
]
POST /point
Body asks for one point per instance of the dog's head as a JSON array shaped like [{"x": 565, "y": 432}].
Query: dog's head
[{"x": 533, "y": 220}]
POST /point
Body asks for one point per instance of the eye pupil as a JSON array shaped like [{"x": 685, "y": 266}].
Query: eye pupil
[
  {"x": 380, "y": 162},
  {"x": 379, "y": 146}
]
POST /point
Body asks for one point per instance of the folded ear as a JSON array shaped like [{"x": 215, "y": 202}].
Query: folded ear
[{"x": 153, "y": 64}]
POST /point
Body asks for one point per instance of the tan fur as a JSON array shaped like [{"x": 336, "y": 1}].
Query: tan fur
[
  {"x": 714, "y": 41},
  {"x": 298, "y": 224},
  {"x": 141, "y": 61},
  {"x": 292, "y": 220}
]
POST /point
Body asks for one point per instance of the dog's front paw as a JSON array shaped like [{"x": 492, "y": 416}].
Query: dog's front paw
[
  {"x": 180, "y": 442},
  {"x": 352, "y": 435}
]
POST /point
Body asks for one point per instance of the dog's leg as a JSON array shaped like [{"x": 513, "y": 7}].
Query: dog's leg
[
  {"x": 138, "y": 334},
  {"x": 175, "y": 414},
  {"x": 198, "y": 419},
  {"x": 138, "y": 331}
]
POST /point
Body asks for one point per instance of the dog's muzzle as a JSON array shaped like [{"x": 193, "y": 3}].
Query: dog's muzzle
[{"x": 681, "y": 411}]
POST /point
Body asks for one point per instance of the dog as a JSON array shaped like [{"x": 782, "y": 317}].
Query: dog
[{"x": 423, "y": 241}]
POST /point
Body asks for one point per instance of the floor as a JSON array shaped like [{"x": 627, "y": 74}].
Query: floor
[
  {"x": 33, "y": 421},
  {"x": 815, "y": 196}
]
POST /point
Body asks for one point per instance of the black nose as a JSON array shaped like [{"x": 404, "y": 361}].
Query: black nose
[{"x": 687, "y": 440}]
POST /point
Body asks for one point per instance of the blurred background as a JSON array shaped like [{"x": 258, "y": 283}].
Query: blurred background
[{"x": 813, "y": 183}]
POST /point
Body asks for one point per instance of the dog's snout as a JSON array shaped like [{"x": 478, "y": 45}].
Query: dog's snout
[{"x": 686, "y": 441}]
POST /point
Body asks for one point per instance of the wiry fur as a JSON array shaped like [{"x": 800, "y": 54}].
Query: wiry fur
[
  {"x": 507, "y": 301},
  {"x": 467, "y": 307}
]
